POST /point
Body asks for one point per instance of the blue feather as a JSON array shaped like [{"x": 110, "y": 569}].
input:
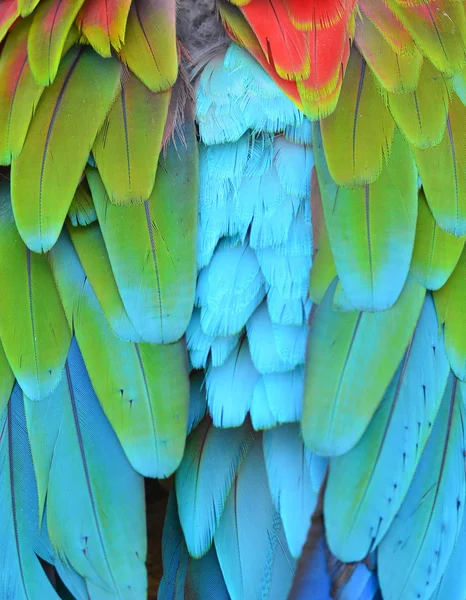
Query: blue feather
[
  {"x": 21, "y": 575},
  {"x": 250, "y": 543},
  {"x": 234, "y": 288},
  {"x": 362, "y": 585},
  {"x": 92, "y": 487},
  {"x": 197, "y": 400},
  {"x": 278, "y": 398},
  {"x": 175, "y": 556},
  {"x": 203, "y": 480},
  {"x": 230, "y": 387},
  {"x": 419, "y": 543},
  {"x": 201, "y": 346},
  {"x": 377, "y": 472},
  {"x": 290, "y": 482}
]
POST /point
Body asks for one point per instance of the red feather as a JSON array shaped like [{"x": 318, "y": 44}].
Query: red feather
[
  {"x": 281, "y": 42},
  {"x": 8, "y": 14},
  {"x": 103, "y": 22},
  {"x": 318, "y": 14}
]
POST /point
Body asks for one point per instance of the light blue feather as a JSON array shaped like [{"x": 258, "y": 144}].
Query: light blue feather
[
  {"x": 203, "y": 480},
  {"x": 234, "y": 94},
  {"x": 278, "y": 398},
  {"x": 175, "y": 555},
  {"x": 21, "y": 575},
  {"x": 202, "y": 346},
  {"x": 274, "y": 348},
  {"x": 234, "y": 288},
  {"x": 290, "y": 482},
  {"x": 294, "y": 166},
  {"x": 453, "y": 582},
  {"x": 419, "y": 543},
  {"x": 377, "y": 472},
  {"x": 250, "y": 544},
  {"x": 230, "y": 387},
  {"x": 285, "y": 311},
  {"x": 362, "y": 585},
  {"x": 91, "y": 487},
  {"x": 197, "y": 400}
]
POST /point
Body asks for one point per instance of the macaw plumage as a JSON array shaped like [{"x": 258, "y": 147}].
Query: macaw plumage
[{"x": 251, "y": 281}]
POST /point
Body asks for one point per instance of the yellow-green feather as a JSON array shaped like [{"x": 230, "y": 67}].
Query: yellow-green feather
[
  {"x": 47, "y": 172},
  {"x": 127, "y": 148}
]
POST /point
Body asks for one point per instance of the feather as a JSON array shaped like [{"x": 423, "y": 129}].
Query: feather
[
  {"x": 92, "y": 487},
  {"x": 202, "y": 347},
  {"x": 378, "y": 471},
  {"x": 249, "y": 540},
  {"x": 312, "y": 577},
  {"x": 19, "y": 93},
  {"x": 373, "y": 259},
  {"x": 285, "y": 47},
  {"x": 230, "y": 387},
  {"x": 449, "y": 302},
  {"x": 453, "y": 582},
  {"x": 104, "y": 24},
  {"x": 50, "y": 26},
  {"x": 22, "y": 575},
  {"x": 8, "y": 14},
  {"x": 277, "y": 398},
  {"x": 274, "y": 348},
  {"x": 197, "y": 400},
  {"x": 356, "y": 142},
  {"x": 204, "y": 579},
  {"x": 341, "y": 346},
  {"x": 422, "y": 114},
  {"x": 150, "y": 49},
  {"x": 44, "y": 177},
  {"x": 395, "y": 71},
  {"x": 175, "y": 555},
  {"x": 442, "y": 170},
  {"x": 90, "y": 249},
  {"x": 26, "y": 7},
  {"x": 82, "y": 210},
  {"x": 33, "y": 327},
  {"x": 234, "y": 288},
  {"x": 436, "y": 253},
  {"x": 421, "y": 539},
  {"x": 155, "y": 269},
  {"x": 323, "y": 270},
  {"x": 389, "y": 26},
  {"x": 143, "y": 388},
  {"x": 290, "y": 482},
  {"x": 7, "y": 380},
  {"x": 438, "y": 27},
  {"x": 127, "y": 148},
  {"x": 204, "y": 478}
]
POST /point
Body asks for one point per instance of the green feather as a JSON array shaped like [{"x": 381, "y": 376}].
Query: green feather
[
  {"x": 348, "y": 368},
  {"x": 143, "y": 388},
  {"x": 82, "y": 211},
  {"x": 372, "y": 228},
  {"x": 90, "y": 248},
  {"x": 422, "y": 113},
  {"x": 436, "y": 253},
  {"x": 150, "y": 49},
  {"x": 152, "y": 246},
  {"x": 52, "y": 22},
  {"x": 128, "y": 146},
  {"x": 450, "y": 301},
  {"x": 442, "y": 169},
  {"x": 33, "y": 327},
  {"x": 358, "y": 135},
  {"x": 47, "y": 172},
  {"x": 395, "y": 71}
]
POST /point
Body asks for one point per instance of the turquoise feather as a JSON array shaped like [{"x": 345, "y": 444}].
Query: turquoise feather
[
  {"x": 378, "y": 471},
  {"x": 204, "y": 478},
  {"x": 250, "y": 541},
  {"x": 421, "y": 539},
  {"x": 21, "y": 575}
]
